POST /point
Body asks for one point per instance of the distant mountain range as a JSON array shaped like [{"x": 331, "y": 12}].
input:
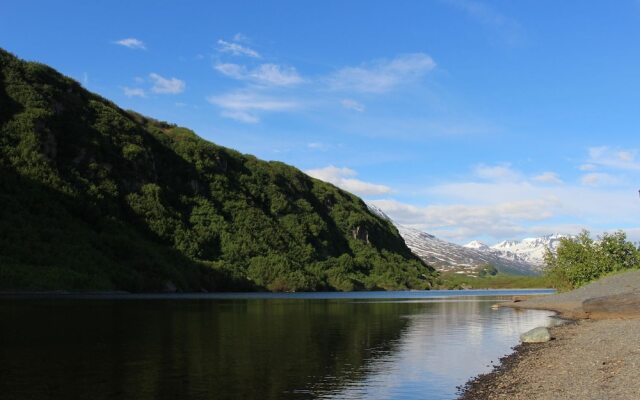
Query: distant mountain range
[
  {"x": 530, "y": 250},
  {"x": 524, "y": 257}
]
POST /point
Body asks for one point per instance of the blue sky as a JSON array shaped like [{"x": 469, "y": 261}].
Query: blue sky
[{"x": 467, "y": 119}]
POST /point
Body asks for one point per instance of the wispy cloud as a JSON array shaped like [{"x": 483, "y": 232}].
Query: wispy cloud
[
  {"x": 134, "y": 92},
  {"x": 351, "y": 104},
  {"x": 132, "y": 43},
  {"x": 239, "y": 37},
  {"x": 344, "y": 178},
  {"x": 163, "y": 85},
  {"x": 265, "y": 74},
  {"x": 599, "y": 179},
  {"x": 485, "y": 14},
  {"x": 382, "y": 75},
  {"x": 587, "y": 167},
  {"x": 499, "y": 173},
  {"x": 615, "y": 158},
  {"x": 548, "y": 177},
  {"x": 236, "y": 49},
  {"x": 244, "y": 106}
]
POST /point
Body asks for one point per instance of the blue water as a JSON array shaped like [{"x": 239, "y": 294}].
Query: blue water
[
  {"x": 362, "y": 345},
  {"x": 412, "y": 294}
]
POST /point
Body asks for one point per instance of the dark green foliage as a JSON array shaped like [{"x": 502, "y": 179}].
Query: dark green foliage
[
  {"x": 97, "y": 198},
  {"x": 582, "y": 260},
  {"x": 488, "y": 270}
]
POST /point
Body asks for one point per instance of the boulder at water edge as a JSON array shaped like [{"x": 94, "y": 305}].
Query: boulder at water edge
[{"x": 536, "y": 335}]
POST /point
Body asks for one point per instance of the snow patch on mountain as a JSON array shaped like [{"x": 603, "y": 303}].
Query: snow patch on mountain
[
  {"x": 475, "y": 244},
  {"x": 531, "y": 250},
  {"x": 447, "y": 256}
]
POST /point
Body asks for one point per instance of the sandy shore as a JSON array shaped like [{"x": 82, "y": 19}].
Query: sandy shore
[{"x": 587, "y": 358}]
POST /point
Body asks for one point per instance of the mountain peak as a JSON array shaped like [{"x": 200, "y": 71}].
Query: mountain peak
[{"x": 476, "y": 244}]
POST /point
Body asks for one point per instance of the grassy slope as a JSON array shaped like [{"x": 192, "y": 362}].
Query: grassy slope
[
  {"x": 499, "y": 281},
  {"x": 93, "y": 197}
]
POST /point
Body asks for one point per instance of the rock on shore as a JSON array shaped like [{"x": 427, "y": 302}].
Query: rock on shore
[
  {"x": 536, "y": 335},
  {"x": 596, "y": 357}
]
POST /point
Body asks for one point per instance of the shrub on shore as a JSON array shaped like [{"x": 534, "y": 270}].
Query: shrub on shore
[{"x": 581, "y": 260}]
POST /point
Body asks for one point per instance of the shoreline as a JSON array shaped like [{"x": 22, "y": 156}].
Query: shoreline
[
  {"x": 588, "y": 359},
  {"x": 595, "y": 355},
  {"x": 486, "y": 385},
  {"x": 528, "y": 293}
]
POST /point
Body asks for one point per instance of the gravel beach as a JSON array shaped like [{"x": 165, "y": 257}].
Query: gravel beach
[{"x": 587, "y": 358}]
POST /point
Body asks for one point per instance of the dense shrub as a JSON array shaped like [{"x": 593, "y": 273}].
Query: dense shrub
[
  {"x": 581, "y": 260},
  {"x": 95, "y": 197}
]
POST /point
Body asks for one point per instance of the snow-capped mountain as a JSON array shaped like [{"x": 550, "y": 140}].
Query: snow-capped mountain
[
  {"x": 474, "y": 244},
  {"x": 531, "y": 250},
  {"x": 447, "y": 256}
]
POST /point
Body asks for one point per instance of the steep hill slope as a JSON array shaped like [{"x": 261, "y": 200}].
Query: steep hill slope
[{"x": 93, "y": 197}]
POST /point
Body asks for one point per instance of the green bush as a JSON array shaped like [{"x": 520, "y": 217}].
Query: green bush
[{"x": 581, "y": 260}]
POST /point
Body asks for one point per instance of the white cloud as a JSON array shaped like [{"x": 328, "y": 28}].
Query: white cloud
[
  {"x": 231, "y": 70},
  {"x": 241, "y": 116},
  {"x": 548, "y": 177},
  {"x": 464, "y": 222},
  {"x": 132, "y": 43},
  {"x": 134, "y": 92},
  {"x": 615, "y": 158},
  {"x": 242, "y": 106},
  {"x": 500, "y": 172},
  {"x": 236, "y": 49},
  {"x": 510, "y": 210},
  {"x": 383, "y": 75},
  {"x": 599, "y": 179},
  {"x": 587, "y": 167},
  {"x": 351, "y": 104},
  {"x": 266, "y": 74},
  {"x": 276, "y": 75},
  {"x": 163, "y": 85},
  {"x": 344, "y": 178},
  {"x": 503, "y": 203}
]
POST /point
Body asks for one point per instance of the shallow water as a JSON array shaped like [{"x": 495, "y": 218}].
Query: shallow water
[{"x": 380, "y": 345}]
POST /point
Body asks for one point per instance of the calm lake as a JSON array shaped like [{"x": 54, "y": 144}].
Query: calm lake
[{"x": 366, "y": 345}]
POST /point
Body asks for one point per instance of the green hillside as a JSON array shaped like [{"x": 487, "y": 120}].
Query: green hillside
[{"x": 93, "y": 197}]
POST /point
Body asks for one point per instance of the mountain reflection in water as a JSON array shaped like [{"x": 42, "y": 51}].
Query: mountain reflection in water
[{"x": 237, "y": 348}]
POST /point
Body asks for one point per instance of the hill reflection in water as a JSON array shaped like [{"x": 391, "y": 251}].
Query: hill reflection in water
[{"x": 251, "y": 349}]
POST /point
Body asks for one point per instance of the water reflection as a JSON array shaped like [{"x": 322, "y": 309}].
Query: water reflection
[
  {"x": 250, "y": 349},
  {"x": 442, "y": 346}
]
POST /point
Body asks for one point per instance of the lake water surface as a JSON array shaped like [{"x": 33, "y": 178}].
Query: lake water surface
[{"x": 364, "y": 345}]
